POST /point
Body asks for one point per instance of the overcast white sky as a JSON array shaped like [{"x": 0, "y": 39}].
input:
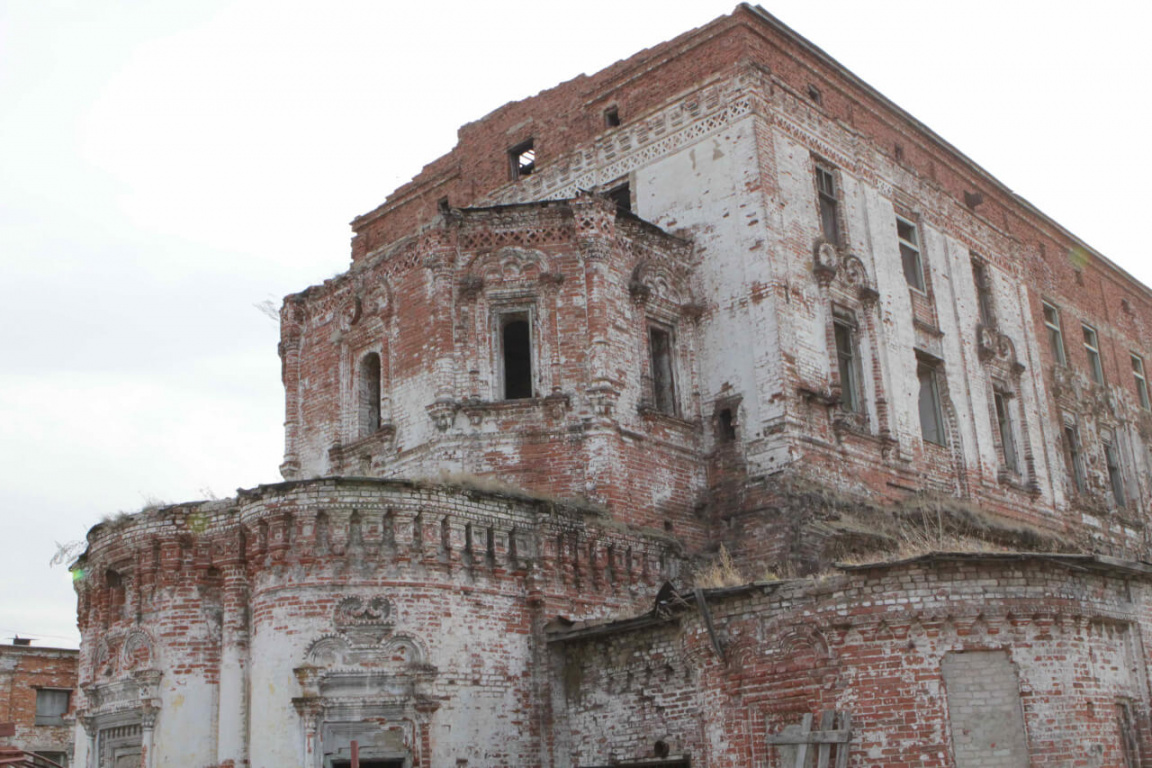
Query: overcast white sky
[{"x": 166, "y": 166}]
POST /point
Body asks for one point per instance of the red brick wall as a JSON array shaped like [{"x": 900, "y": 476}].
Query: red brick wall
[{"x": 23, "y": 670}]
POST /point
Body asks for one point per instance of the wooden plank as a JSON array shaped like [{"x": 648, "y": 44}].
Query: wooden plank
[
  {"x": 802, "y": 748},
  {"x": 827, "y": 721},
  {"x": 843, "y": 749},
  {"x": 814, "y": 737}
]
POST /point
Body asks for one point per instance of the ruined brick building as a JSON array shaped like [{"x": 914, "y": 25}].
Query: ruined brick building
[
  {"x": 36, "y": 689},
  {"x": 722, "y": 294}
]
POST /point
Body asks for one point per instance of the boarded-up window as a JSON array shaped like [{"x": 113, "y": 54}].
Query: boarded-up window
[{"x": 984, "y": 710}]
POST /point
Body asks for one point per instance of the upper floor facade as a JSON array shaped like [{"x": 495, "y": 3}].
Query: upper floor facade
[{"x": 728, "y": 258}]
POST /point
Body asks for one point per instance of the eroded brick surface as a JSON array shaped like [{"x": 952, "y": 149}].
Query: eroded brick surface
[{"x": 524, "y": 420}]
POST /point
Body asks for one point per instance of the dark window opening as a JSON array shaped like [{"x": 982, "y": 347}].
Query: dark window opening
[
  {"x": 622, "y": 196},
  {"x": 727, "y": 426},
  {"x": 369, "y": 394},
  {"x": 522, "y": 159},
  {"x": 815, "y": 95},
  {"x": 983, "y": 293},
  {"x": 612, "y": 117},
  {"x": 848, "y": 362},
  {"x": 829, "y": 210},
  {"x": 51, "y": 706},
  {"x": 516, "y": 352},
  {"x": 663, "y": 381},
  {"x": 442, "y": 206}
]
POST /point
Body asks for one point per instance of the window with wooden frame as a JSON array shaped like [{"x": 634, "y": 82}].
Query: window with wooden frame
[
  {"x": 1075, "y": 457},
  {"x": 908, "y": 234},
  {"x": 1005, "y": 427},
  {"x": 52, "y": 705},
  {"x": 1141, "y": 381},
  {"x": 829, "y": 202},
  {"x": 983, "y": 293},
  {"x": 1115, "y": 471},
  {"x": 1092, "y": 350},
  {"x": 931, "y": 413},
  {"x": 1055, "y": 334},
  {"x": 1129, "y": 738},
  {"x": 844, "y": 331}
]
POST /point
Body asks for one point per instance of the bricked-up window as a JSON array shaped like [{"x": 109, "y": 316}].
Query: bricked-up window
[
  {"x": 662, "y": 360},
  {"x": 909, "y": 236},
  {"x": 51, "y": 705},
  {"x": 848, "y": 360},
  {"x": 1115, "y": 473},
  {"x": 1141, "y": 381},
  {"x": 931, "y": 416},
  {"x": 1005, "y": 427},
  {"x": 983, "y": 293},
  {"x": 983, "y": 694},
  {"x": 368, "y": 394},
  {"x": 829, "y": 203},
  {"x": 516, "y": 355},
  {"x": 522, "y": 159},
  {"x": 1092, "y": 350},
  {"x": 1075, "y": 457},
  {"x": 1055, "y": 335}
]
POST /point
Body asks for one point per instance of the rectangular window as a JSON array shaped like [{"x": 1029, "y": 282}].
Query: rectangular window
[
  {"x": 522, "y": 159},
  {"x": 909, "y": 236},
  {"x": 1092, "y": 349},
  {"x": 1115, "y": 475},
  {"x": 848, "y": 361},
  {"x": 829, "y": 204},
  {"x": 1007, "y": 439},
  {"x": 59, "y": 758},
  {"x": 983, "y": 293},
  {"x": 612, "y": 117},
  {"x": 1141, "y": 382},
  {"x": 661, "y": 359},
  {"x": 51, "y": 705},
  {"x": 516, "y": 355},
  {"x": 931, "y": 417},
  {"x": 1075, "y": 457},
  {"x": 1055, "y": 335}
]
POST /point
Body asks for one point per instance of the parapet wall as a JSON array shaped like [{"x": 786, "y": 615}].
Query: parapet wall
[
  {"x": 942, "y": 661},
  {"x": 293, "y": 588}
]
